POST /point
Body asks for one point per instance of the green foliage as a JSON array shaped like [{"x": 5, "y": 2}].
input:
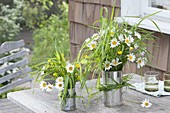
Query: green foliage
[
  {"x": 57, "y": 68},
  {"x": 35, "y": 12},
  {"x": 9, "y": 17},
  {"x": 52, "y": 36},
  {"x": 113, "y": 45}
]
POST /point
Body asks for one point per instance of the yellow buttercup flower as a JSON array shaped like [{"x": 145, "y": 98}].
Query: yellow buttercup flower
[
  {"x": 131, "y": 48},
  {"x": 85, "y": 56},
  {"x": 49, "y": 60},
  {"x": 119, "y": 52},
  {"x": 55, "y": 74},
  {"x": 77, "y": 65},
  {"x": 78, "y": 77}
]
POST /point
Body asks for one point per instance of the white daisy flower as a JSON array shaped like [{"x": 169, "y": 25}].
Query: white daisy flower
[
  {"x": 131, "y": 57},
  {"x": 140, "y": 62},
  {"x": 49, "y": 87},
  {"x": 107, "y": 65},
  {"x": 43, "y": 85},
  {"x": 59, "y": 79},
  {"x": 112, "y": 32},
  {"x": 70, "y": 68},
  {"x": 136, "y": 46},
  {"x": 129, "y": 40},
  {"x": 115, "y": 62},
  {"x": 114, "y": 43},
  {"x": 92, "y": 45},
  {"x": 121, "y": 38},
  {"x": 60, "y": 86},
  {"x": 87, "y": 40},
  {"x": 142, "y": 53},
  {"x": 137, "y": 35},
  {"x": 146, "y": 103},
  {"x": 96, "y": 36}
]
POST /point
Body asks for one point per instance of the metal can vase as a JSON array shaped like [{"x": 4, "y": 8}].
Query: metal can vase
[
  {"x": 70, "y": 103},
  {"x": 112, "y": 97}
]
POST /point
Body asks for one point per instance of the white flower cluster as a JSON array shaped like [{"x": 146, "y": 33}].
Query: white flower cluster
[
  {"x": 115, "y": 62},
  {"x": 59, "y": 81},
  {"x": 127, "y": 39},
  {"x": 46, "y": 87},
  {"x": 92, "y": 42}
]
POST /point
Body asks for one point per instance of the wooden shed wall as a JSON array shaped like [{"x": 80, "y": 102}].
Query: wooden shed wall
[
  {"x": 85, "y": 12},
  {"x": 81, "y": 14}
]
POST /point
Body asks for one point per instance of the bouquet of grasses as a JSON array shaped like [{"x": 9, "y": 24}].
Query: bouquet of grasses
[
  {"x": 114, "y": 44},
  {"x": 64, "y": 73}
]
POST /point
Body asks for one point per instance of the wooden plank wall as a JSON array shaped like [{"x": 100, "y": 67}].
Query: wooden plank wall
[
  {"x": 85, "y": 12},
  {"x": 81, "y": 14}
]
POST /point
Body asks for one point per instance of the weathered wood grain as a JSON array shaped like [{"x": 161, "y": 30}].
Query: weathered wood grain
[
  {"x": 6, "y": 106},
  {"x": 168, "y": 67},
  {"x": 14, "y": 75},
  {"x": 160, "y": 53},
  {"x": 13, "y": 56},
  {"x": 14, "y": 84},
  {"x": 41, "y": 102},
  {"x": 8, "y": 46},
  {"x": 20, "y": 63}
]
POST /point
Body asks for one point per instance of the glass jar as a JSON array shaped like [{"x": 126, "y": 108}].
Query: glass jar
[
  {"x": 151, "y": 81},
  {"x": 167, "y": 82}
]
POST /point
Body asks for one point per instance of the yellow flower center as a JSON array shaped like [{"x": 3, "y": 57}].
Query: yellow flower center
[
  {"x": 112, "y": 33},
  {"x": 49, "y": 87},
  {"x": 70, "y": 68},
  {"x": 44, "y": 84},
  {"x": 60, "y": 80},
  {"x": 78, "y": 65},
  {"x": 60, "y": 85},
  {"x": 115, "y": 63},
  {"x": 107, "y": 65},
  {"x": 127, "y": 40},
  {"x": 131, "y": 48},
  {"x": 146, "y": 103},
  {"x": 139, "y": 61},
  {"x": 130, "y": 57},
  {"x": 93, "y": 45},
  {"x": 114, "y": 42},
  {"x": 119, "y": 52}
]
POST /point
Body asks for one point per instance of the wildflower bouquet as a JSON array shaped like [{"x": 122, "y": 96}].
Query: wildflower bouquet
[
  {"x": 114, "y": 44},
  {"x": 65, "y": 75}
]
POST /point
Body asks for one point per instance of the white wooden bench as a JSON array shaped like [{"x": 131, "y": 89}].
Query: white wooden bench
[{"x": 20, "y": 65}]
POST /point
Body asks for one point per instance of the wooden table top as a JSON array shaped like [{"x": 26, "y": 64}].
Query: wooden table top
[{"x": 36, "y": 101}]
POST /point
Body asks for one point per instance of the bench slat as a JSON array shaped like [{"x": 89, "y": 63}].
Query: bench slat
[
  {"x": 11, "y": 45},
  {"x": 20, "y": 63},
  {"x": 14, "y": 84},
  {"x": 13, "y": 56},
  {"x": 13, "y": 75}
]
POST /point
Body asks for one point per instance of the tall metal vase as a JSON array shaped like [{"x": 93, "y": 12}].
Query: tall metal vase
[
  {"x": 113, "y": 97},
  {"x": 70, "y": 103}
]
